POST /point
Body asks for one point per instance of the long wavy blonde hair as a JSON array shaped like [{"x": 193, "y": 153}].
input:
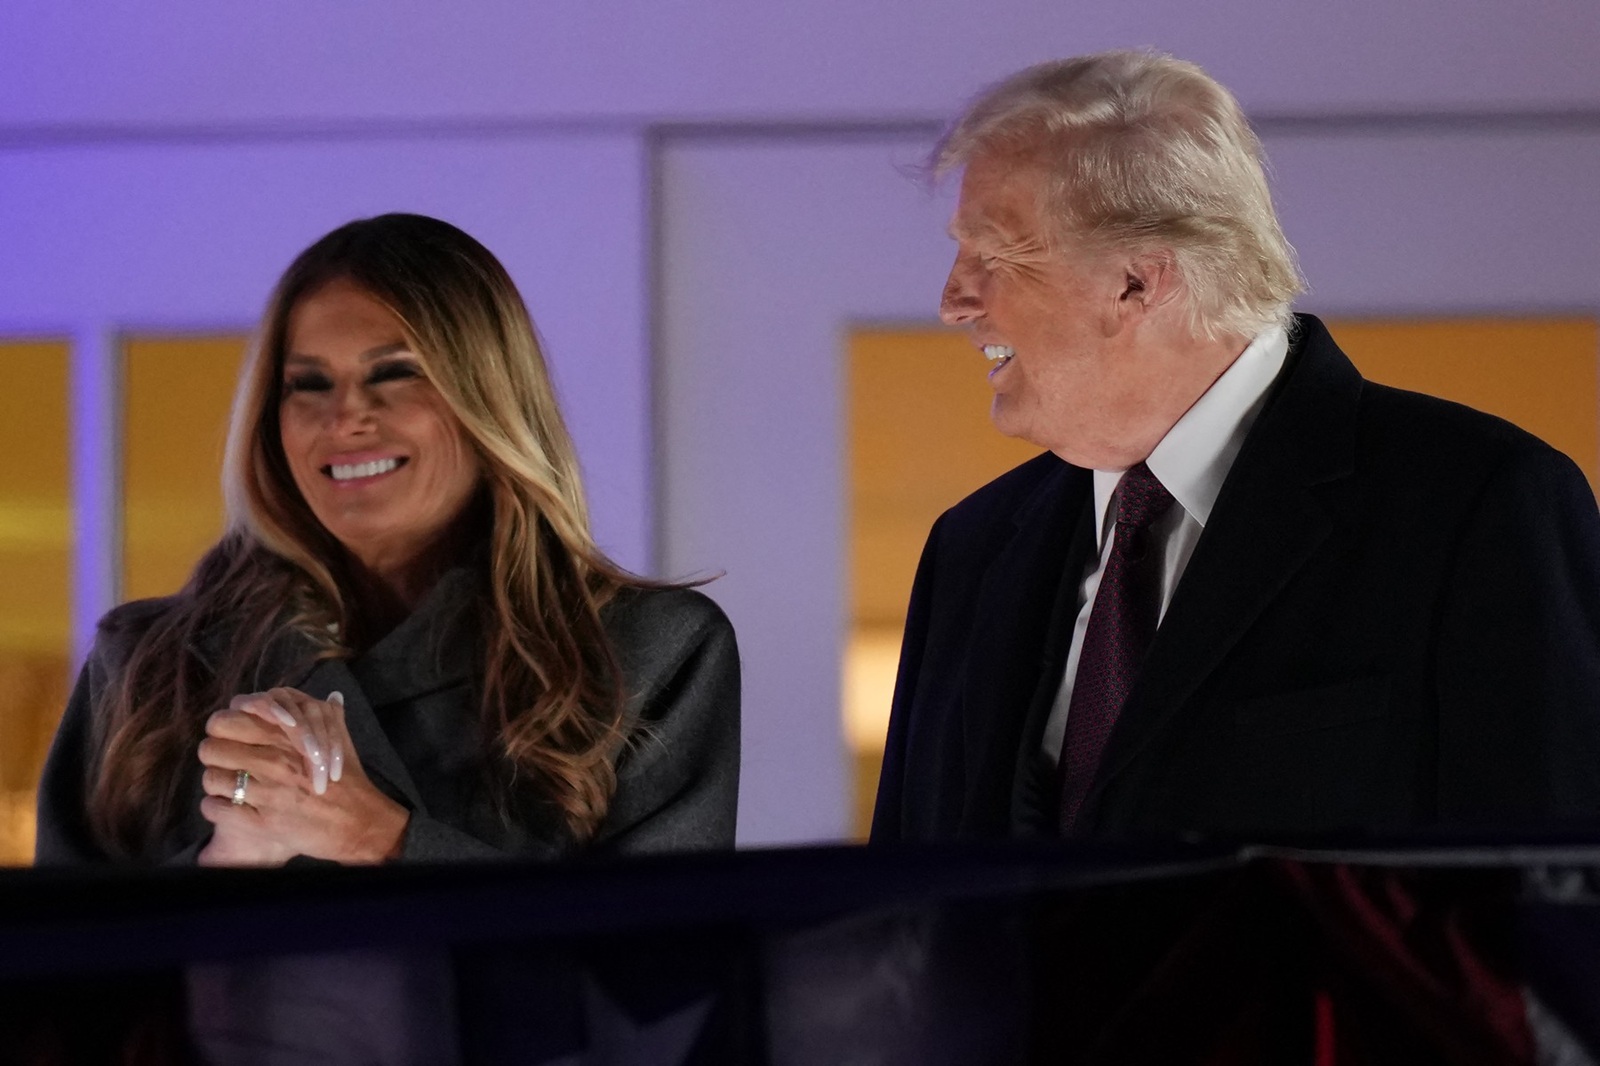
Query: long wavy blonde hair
[{"x": 551, "y": 685}]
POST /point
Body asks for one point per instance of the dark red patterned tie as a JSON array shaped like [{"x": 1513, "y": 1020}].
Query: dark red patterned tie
[{"x": 1121, "y": 625}]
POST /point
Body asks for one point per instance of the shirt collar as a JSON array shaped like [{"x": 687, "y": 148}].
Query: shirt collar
[{"x": 1194, "y": 458}]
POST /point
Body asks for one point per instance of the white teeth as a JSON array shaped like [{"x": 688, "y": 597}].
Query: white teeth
[
  {"x": 354, "y": 470},
  {"x": 998, "y": 352}
]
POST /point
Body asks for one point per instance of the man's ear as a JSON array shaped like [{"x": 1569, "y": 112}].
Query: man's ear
[{"x": 1150, "y": 280}]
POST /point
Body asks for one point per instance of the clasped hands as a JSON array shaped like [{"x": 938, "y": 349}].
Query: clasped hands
[{"x": 307, "y": 793}]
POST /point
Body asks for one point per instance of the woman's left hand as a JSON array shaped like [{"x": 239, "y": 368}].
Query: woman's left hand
[{"x": 307, "y": 793}]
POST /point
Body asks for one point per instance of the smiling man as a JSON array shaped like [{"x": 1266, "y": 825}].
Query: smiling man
[{"x": 1244, "y": 592}]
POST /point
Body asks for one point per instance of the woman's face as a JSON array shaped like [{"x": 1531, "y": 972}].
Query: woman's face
[{"x": 377, "y": 453}]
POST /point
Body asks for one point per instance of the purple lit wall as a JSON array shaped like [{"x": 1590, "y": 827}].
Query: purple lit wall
[
  {"x": 304, "y": 61},
  {"x": 187, "y": 235},
  {"x": 700, "y": 198}
]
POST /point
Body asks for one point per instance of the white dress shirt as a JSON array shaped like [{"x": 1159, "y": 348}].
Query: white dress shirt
[{"x": 1192, "y": 461}]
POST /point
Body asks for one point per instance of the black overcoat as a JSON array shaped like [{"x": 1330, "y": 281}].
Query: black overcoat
[{"x": 1390, "y": 622}]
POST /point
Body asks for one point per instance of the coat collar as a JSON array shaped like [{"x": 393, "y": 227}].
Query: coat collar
[{"x": 1267, "y": 523}]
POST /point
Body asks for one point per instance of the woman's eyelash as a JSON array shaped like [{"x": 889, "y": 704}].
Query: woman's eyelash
[
  {"x": 307, "y": 383},
  {"x": 314, "y": 382}
]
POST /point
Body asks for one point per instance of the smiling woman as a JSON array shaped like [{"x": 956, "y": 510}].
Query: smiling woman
[{"x": 406, "y": 644}]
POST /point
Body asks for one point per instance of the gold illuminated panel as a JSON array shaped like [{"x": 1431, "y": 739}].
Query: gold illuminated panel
[
  {"x": 35, "y": 576},
  {"x": 1541, "y": 373},
  {"x": 176, "y": 396},
  {"x": 920, "y": 439}
]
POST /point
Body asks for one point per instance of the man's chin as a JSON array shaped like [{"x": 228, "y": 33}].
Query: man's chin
[
  {"x": 1011, "y": 424},
  {"x": 1008, "y": 424}
]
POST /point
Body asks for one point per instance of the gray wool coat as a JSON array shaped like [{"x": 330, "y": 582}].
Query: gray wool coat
[{"x": 410, "y": 709}]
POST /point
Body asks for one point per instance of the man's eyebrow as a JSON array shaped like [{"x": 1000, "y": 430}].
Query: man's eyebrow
[{"x": 978, "y": 229}]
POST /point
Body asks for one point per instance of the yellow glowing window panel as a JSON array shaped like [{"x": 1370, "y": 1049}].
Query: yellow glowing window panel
[
  {"x": 176, "y": 394},
  {"x": 920, "y": 439},
  {"x": 35, "y": 576}
]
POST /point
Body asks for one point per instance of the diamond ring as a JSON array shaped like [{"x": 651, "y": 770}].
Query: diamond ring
[{"x": 240, "y": 779}]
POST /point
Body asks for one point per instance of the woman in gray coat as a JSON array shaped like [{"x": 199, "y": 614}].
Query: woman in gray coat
[{"x": 407, "y": 645}]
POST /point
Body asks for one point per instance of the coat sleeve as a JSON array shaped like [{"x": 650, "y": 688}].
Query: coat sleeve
[
  {"x": 1519, "y": 652},
  {"x": 888, "y": 814},
  {"x": 678, "y": 777},
  {"x": 430, "y": 840},
  {"x": 63, "y": 837}
]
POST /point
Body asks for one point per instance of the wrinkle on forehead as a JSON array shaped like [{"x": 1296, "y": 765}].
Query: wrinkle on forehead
[
  {"x": 1001, "y": 210},
  {"x": 1029, "y": 248},
  {"x": 995, "y": 240}
]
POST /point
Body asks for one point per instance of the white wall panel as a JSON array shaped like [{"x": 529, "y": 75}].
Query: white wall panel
[
  {"x": 770, "y": 251},
  {"x": 96, "y": 62},
  {"x": 1443, "y": 221}
]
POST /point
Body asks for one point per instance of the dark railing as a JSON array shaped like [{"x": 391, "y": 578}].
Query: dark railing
[{"x": 1467, "y": 951}]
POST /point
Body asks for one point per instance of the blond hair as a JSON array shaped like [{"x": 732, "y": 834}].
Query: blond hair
[{"x": 1143, "y": 151}]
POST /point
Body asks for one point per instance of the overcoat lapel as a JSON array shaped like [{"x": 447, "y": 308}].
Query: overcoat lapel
[
  {"x": 1010, "y": 649},
  {"x": 379, "y": 760},
  {"x": 1266, "y": 524},
  {"x": 431, "y": 649}
]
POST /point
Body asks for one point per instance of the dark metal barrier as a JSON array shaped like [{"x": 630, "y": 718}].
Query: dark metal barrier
[{"x": 1467, "y": 952}]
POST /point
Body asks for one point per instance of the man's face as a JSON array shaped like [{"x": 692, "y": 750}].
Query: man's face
[{"x": 1071, "y": 377}]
